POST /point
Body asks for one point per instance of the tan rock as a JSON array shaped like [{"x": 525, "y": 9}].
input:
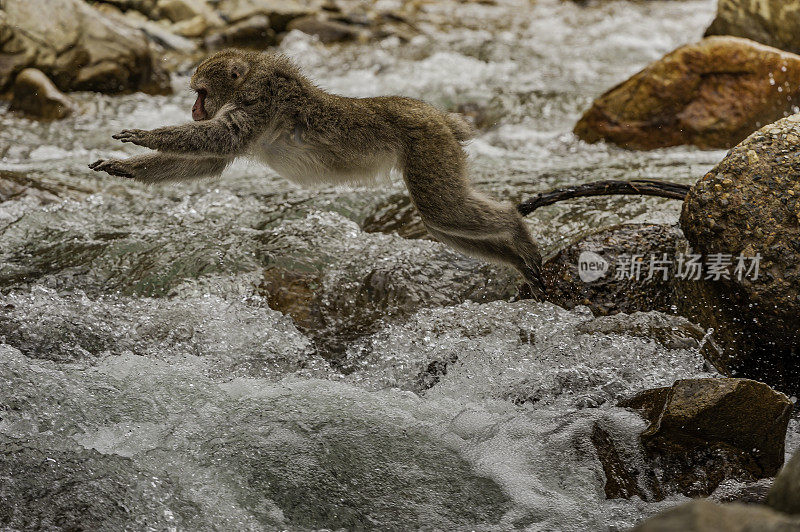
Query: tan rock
[
  {"x": 192, "y": 27},
  {"x": 704, "y": 516},
  {"x": 741, "y": 414},
  {"x": 710, "y": 94},
  {"x": 35, "y": 95},
  {"x": 80, "y": 49},
  {"x": 772, "y": 22},
  {"x": 785, "y": 493}
]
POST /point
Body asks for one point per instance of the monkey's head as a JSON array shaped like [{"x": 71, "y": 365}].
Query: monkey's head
[
  {"x": 217, "y": 79},
  {"x": 244, "y": 76}
]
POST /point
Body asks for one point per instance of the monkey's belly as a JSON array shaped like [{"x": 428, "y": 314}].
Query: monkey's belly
[{"x": 307, "y": 165}]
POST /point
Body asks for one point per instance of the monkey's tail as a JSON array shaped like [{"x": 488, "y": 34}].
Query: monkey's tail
[
  {"x": 462, "y": 130},
  {"x": 643, "y": 187}
]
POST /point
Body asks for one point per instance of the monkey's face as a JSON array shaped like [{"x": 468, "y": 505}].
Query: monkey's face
[{"x": 216, "y": 80}]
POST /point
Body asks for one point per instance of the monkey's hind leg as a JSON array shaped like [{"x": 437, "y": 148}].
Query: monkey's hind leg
[{"x": 515, "y": 248}]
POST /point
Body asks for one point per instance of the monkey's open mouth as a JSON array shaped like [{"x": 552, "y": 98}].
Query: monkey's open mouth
[{"x": 198, "y": 109}]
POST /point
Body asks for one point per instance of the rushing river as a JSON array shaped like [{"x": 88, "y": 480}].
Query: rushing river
[{"x": 147, "y": 380}]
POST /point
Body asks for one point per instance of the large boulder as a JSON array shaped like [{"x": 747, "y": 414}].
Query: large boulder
[
  {"x": 77, "y": 47},
  {"x": 704, "y": 516},
  {"x": 785, "y": 493},
  {"x": 704, "y": 431},
  {"x": 746, "y": 211},
  {"x": 711, "y": 94},
  {"x": 772, "y": 22}
]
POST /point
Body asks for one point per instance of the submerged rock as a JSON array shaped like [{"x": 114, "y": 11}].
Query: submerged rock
[
  {"x": 79, "y": 48},
  {"x": 745, "y": 214},
  {"x": 703, "y": 516},
  {"x": 772, "y": 22},
  {"x": 785, "y": 493},
  {"x": 711, "y": 94},
  {"x": 704, "y": 431},
  {"x": 35, "y": 95},
  {"x": 617, "y": 274}
]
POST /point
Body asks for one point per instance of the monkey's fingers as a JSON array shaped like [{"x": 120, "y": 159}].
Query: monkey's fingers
[
  {"x": 130, "y": 135},
  {"x": 112, "y": 167}
]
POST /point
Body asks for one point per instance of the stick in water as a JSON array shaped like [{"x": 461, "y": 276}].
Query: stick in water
[{"x": 643, "y": 187}]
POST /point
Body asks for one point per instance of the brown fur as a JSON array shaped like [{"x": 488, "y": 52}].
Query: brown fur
[{"x": 261, "y": 105}]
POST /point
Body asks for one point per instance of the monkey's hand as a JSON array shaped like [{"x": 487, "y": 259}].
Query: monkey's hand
[
  {"x": 114, "y": 167},
  {"x": 140, "y": 137}
]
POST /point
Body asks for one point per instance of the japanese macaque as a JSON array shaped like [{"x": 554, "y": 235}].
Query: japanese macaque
[{"x": 261, "y": 106}]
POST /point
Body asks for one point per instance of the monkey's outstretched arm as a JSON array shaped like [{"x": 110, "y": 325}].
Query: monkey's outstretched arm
[
  {"x": 156, "y": 167},
  {"x": 227, "y": 134}
]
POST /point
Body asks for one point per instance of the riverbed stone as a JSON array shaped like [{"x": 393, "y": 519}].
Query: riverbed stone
[
  {"x": 710, "y": 94},
  {"x": 254, "y": 32},
  {"x": 623, "y": 250},
  {"x": 748, "y": 207},
  {"x": 35, "y": 95},
  {"x": 704, "y": 431},
  {"x": 772, "y": 22},
  {"x": 327, "y": 31},
  {"x": 785, "y": 493},
  {"x": 80, "y": 49},
  {"x": 279, "y": 12},
  {"x": 703, "y": 516}
]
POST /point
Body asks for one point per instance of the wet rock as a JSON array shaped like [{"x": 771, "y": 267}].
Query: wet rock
[
  {"x": 622, "y": 280},
  {"x": 80, "y": 49},
  {"x": 785, "y": 493},
  {"x": 743, "y": 492},
  {"x": 622, "y": 480},
  {"x": 279, "y": 12},
  {"x": 746, "y": 213},
  {"x": 35, "y": 95},
  {"x": 338, "y": 296},
  {"x": 51, "y": 483},
  {"x": 704, "y": 516},
  {"x": 772, "y": 22},
  {"x": 328, "y": 31},
  {"x": 705, "y": 431},
  {"x": 253, "y": 32},
  {"x": 711, "y": 94}
]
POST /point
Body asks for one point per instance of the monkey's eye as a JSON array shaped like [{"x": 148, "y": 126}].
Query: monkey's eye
[{"x": 234, "y": 75}]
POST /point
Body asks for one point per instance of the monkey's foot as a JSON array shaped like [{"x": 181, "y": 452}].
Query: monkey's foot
[
  {"x": 112, "y": 167},
  {"x": 533, "y": 287},
  {"x": 135, "y": 136}
]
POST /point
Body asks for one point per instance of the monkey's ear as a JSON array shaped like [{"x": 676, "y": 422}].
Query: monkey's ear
[{"x": 238, "y": 70}]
